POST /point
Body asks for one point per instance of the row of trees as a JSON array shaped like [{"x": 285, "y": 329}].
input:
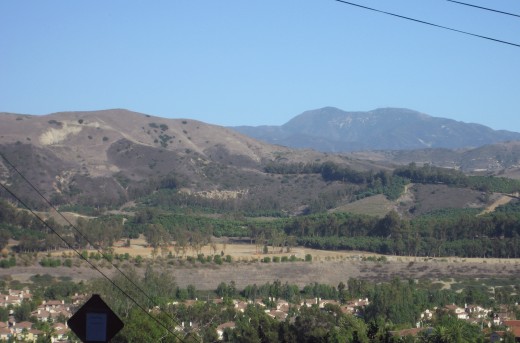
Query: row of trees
[
  {"x": 392, "y": 183},
  {"x": 454, "y": 232},
  {"x": 448, "y": 232}
]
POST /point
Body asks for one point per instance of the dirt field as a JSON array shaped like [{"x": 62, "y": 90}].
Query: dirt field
[
  {"x": 329, "y": 267},
  {"x": 302, "y": 273}
]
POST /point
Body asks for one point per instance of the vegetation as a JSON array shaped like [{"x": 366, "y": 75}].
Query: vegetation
[
  {"x": 391, "y": 306},
  {"x": 462, "y": 233}
]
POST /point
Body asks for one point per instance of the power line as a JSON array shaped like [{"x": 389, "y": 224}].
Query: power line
[
  {"x": 484, "y": 8},
  {"x": 87, "y": 240},
  {"x": 85, "y": 259},
  {"x": 428, "y": 23}
]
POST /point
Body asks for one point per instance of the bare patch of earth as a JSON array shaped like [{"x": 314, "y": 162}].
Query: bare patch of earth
[
  {"x": 435, "y": 197},
  {"x": 502, "y": 200},
  {"x": 302, "y": 273},
  {"x": 208, "y": 276},
  {"x": 23, "y": 274}
]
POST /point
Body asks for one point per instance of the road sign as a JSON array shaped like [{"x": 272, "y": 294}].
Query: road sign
[{"x": 95, "y": 322}]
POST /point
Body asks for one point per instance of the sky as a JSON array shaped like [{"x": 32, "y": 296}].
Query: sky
[{"x": 260, "y": 62}]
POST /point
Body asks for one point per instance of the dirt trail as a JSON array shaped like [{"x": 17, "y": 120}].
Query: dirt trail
[{"x": 502, "y": 200}]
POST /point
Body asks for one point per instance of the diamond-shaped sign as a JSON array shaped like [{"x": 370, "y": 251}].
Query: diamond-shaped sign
[{"x": 95, "y": 322}]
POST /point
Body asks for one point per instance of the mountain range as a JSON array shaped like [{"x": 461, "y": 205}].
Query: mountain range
[
  {"x": 111, "y": 157},
  {"x": 330, "y": 129}
]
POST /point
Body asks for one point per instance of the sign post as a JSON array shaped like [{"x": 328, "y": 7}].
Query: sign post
[{"x": 95, "y": 322}]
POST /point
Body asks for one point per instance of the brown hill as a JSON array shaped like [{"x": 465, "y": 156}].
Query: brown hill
[{"x": 105, "y": 158}]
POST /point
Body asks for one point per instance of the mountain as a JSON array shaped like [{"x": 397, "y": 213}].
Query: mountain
[
  {"x": 109, "y": 159},
  {"x": 330, "y": 129},
  {"x": 106, "y": 158}
]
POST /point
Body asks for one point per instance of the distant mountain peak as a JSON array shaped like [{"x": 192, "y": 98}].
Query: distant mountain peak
[{"x": 331, "y": 129}]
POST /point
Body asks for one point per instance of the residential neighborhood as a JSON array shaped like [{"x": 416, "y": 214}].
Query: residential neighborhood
[{"x": 49, "y": 319}]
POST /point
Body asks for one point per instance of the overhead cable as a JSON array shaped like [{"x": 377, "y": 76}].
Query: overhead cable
[
  {"x": 85, "y": 259},
  {"x": 484, "y": 8},
  {"x": 427, "y": 23},
  {"x": 88, "y": 241}
]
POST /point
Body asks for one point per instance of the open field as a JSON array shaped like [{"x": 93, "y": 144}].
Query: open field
[
  {"x": 208, "y": 276},
  {"x": 334, "y": 272},
  {"x": 329, "y": 267}
]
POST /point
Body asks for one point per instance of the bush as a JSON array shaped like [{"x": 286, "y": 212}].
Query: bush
[
  {"x": 308, "y": 258},
  {"x": 217, "y": 259},
  {"x": 266, "y": 259},
  {"x": 285, "y": 259},
  {"x": 50, "y": 262},
  {"x": 276, "y": 259},
  {"x": 228, "y": 259}
]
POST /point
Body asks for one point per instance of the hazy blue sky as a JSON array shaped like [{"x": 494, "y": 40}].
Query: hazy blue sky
[{"x": 253, "y": 62}]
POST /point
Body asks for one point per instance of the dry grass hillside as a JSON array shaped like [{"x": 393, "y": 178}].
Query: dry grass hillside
[{"x": 106, "y": 158}]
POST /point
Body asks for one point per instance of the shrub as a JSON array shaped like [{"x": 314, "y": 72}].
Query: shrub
[
  {"x": 266, "y": 259},
  {"x": 138, "y": 260},
  {"x": 50, "y": 262},
  {"x": 276, "y": 259},
  {"x": 308, "y": 258}
]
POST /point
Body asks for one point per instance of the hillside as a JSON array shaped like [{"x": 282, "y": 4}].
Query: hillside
[
  {"x": 333, "y": 130},
  {"x": 178, "y": 180},
  {"x": 106, "y": 158},
  {"x": 499, "y": 158}
]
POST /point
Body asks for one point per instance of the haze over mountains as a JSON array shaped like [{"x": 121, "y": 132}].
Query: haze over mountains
[{"x": 330, "y": 129}]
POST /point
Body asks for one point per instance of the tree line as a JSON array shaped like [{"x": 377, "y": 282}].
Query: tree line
[{"x": 392, "y": 183}]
